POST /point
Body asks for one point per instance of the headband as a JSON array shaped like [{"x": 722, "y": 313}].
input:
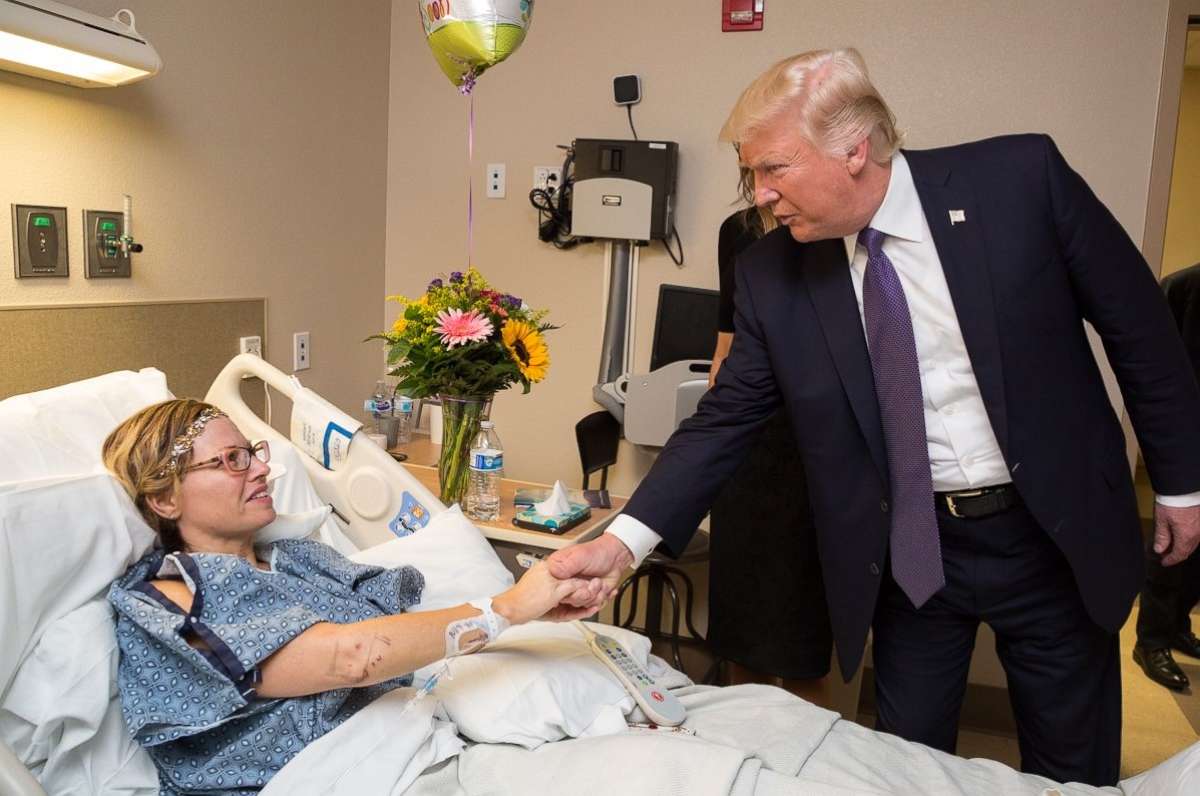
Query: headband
[{"x": 183, "y": 443}]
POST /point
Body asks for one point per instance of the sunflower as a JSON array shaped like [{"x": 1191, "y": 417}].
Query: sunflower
[{"x": 527, "y": 348}]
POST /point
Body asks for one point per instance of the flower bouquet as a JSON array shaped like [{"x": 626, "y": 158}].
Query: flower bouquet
[{"x": 463, "y": 342}]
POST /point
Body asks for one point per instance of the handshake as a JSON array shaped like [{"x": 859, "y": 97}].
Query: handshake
[{"x": 573, "y": 583}]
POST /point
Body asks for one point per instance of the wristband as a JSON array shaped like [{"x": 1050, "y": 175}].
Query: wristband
[
  {"x": 465, "y": 636},
  {"x": 497, "y": 624}
]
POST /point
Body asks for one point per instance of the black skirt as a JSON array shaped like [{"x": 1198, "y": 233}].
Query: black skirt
[{"x": 766, "y": 599}]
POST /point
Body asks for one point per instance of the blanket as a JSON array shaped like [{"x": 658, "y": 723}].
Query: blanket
[{"x": 748, "y": 740}]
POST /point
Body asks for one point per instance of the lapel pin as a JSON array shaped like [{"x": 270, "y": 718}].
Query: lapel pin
[{"x": 956, "y": 216}]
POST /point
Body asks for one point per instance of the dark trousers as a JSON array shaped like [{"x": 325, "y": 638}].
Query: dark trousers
[
  {"x": 1168, "y": 596},
  {"x": 1064, "y": 676}
]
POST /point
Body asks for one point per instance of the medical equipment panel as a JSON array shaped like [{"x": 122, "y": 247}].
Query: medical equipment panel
[
  {"x": 39, "y": 241},
  {"x": 624, "y": 190},
  {"x": 102, "y": 255}
]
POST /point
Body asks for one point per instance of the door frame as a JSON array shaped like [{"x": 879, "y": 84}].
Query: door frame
[{"x": 1170, "y": 90}]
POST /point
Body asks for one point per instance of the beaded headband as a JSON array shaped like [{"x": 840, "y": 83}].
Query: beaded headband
[{"x": 183, "y": 443}]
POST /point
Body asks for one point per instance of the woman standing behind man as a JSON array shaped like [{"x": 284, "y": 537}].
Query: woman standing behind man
[{"x": 768, "y": 619}]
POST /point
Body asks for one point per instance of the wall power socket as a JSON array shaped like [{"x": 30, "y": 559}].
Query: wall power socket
[
  {"x": 251, "y": 346},
  {"x": 301, "y": 352},
  {"x": 547, "y": 178}
]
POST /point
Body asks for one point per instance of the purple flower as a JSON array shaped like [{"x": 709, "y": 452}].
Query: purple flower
[
  {"x": 456, "y": 277},
  {"x": 512, "y": 300},
  {"x": 435, "y": 283}
]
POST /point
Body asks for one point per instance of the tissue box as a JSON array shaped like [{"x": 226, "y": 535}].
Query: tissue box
[{"x": 556, "y": 523}]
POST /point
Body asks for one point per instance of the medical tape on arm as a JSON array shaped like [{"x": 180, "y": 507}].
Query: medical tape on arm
[{"x": 465, "y": 636}]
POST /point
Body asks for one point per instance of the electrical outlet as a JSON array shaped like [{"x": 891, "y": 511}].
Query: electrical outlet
[
  {"x": 495, "y": 181},
  {"x": 547, "y": 178},
  {"x": 301, "y": 352},
  {"x": 251, "y": 346}
]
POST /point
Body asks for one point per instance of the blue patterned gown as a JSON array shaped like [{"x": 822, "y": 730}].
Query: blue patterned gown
[{"x": 194, "y": 709}]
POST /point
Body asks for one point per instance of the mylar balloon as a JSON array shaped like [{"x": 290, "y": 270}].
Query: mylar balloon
[{"x": 468, "y": 36}]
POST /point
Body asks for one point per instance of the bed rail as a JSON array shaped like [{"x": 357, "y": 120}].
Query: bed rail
[{"x": 369, "y": 492}]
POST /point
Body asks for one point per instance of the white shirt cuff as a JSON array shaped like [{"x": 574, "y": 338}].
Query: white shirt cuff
[
  {"x": 1177, "y": 501},
  {"x": 635, "y": 535}
]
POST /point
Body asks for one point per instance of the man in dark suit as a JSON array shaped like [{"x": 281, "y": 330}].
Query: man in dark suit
[{"x": 920, "y": 317}]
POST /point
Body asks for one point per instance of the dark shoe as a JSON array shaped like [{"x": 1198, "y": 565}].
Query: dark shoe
[
  {"x": 1188, "y": 644},
  {"x": 1160, "y": 667}
]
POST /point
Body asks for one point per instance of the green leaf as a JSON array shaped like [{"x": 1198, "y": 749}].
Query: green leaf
[{"x": 399, "y": 351}]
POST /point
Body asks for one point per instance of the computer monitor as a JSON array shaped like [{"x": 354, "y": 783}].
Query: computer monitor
[{"x": 685, "y": 326}]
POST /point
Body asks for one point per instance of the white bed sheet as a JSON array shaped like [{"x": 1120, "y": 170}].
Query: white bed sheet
[{"x": 749, "y": 741}]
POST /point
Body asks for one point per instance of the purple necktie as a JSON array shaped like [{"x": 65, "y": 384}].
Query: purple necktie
[{"x": 915, "y": 549}]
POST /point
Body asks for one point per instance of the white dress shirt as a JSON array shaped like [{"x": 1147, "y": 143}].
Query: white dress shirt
[{"x": 963, "y": 451}]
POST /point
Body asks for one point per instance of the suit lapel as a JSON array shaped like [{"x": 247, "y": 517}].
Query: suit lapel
[
  {"x": 960, "y": 247},
  {"x": 827, "y": 274}
]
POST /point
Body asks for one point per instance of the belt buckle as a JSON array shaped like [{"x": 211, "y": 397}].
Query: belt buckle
[{"x": 951, "y": 505}]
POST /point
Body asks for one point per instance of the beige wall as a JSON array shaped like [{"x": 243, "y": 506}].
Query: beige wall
[
  {"x": 1182, "y": 246},
  {"x": 1084, "y": 71},
  {"x": 256, "y": 161}
]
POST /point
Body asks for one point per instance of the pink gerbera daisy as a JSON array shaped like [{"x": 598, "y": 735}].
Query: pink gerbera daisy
[{"x": 459, "y": 328}]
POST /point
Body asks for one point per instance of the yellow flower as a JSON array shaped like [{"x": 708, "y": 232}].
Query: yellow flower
[
  {"x": 527, "y": 348},
  {"x": 398, "y": 326}
]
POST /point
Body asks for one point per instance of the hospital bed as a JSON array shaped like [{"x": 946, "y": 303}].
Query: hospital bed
[{"x": 533, "y": 713}]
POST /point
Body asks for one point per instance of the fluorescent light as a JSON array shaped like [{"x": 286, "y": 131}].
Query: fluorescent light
[
  {"x": 47, "y": 39},
  {"x": 19, "y": 50}
]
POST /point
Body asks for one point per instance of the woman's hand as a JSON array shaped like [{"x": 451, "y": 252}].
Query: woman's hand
[
  {"x": 537, "y": 593},
  {"x": 724, "y": 343}
]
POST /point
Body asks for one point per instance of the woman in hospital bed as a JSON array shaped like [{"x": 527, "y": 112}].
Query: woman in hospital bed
[{"x": 235, "y": 656}]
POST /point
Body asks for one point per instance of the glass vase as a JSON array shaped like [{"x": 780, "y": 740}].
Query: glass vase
[{"x": 460, "y": 423}]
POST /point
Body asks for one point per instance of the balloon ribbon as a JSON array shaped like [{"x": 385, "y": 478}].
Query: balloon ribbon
[{"x": 468, "y": 84}]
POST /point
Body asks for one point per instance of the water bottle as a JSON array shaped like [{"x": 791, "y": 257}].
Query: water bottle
[
  {"x": 402, "y": 407},
  {"x": 379, "y": 412},
  {"x": 487, "y": 468}
]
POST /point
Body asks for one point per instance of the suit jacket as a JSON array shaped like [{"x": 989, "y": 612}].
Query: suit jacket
[
  {"x": 1182, "y": 290},
  {"x": 1036, "y": 255}
]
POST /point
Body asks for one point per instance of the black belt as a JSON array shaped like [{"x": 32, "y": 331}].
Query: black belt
[{"x": 972, "y": 504}]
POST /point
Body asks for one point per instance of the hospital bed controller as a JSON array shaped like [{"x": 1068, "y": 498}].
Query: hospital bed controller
[{"x": 660, "y": 705}]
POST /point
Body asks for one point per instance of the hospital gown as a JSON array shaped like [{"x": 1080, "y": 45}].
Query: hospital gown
[{"x": 194, "y": 708}]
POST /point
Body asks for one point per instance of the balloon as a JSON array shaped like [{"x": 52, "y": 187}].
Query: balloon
[{"x": 469, "y": 36}]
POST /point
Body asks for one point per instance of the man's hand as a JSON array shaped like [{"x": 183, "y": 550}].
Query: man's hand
[
  {"x": 1177, "y": 530},
  {"x": 602, "y": 561}
]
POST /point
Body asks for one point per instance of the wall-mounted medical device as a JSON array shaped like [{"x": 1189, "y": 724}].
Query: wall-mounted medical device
[
  {"x": 108, "y": 242},
  {"x": 39, "y": 241},
  {"x": 50, "y": 40},
  {"x": 624, "y": 190}
]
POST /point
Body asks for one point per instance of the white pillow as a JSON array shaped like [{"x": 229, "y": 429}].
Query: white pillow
[
  {"x": 61, "y": 716},
  {"x": 61, "y": 545},
  {"x": 456, "y": 559},
  {"x": 58, "y": 432},
  {"x": 537, "y": 683}
]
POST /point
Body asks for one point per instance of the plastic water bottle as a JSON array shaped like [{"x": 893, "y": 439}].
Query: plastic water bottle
[
  {"x": 487, "y": 468},
  {"x": 378, "y": 407},
  {"x": 402, "y": 407}
]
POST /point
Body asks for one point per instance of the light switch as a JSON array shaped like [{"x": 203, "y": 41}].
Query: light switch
[
  {"x": 102, "y": 255},
  {"x": 39, "y": 241}
]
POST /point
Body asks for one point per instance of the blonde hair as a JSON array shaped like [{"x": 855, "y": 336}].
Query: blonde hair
[
  {"x": 766, "y": 219},
  {"x": 138, "y": 454},
  {"x": 838, "y": 106}
]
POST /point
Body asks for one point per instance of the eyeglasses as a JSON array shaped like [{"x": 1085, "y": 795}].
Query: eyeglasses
[{"x": 235, "y": 460}]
